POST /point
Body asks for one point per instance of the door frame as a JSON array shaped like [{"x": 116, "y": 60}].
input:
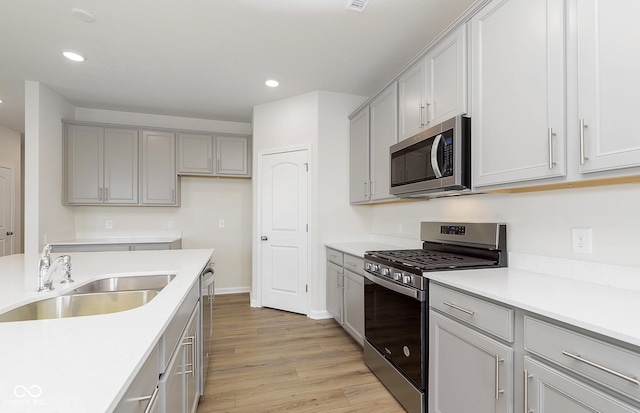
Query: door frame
[
  {"x": 256, "y": 289},
  {"x": 12, "y": 206}
]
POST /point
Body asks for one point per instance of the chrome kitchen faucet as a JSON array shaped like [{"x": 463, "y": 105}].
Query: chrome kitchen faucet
[{"x": 46, "y": 269}]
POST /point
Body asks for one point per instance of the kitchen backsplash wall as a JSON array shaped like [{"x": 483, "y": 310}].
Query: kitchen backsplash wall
[
  {"x": 539, "y": 223},
  {"x": 205, "y": 201}
]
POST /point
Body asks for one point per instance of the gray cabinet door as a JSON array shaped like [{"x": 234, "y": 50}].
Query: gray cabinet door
[
  {"x": 383, "y": 134},
  {"x": 412, "y": 105},
  {"x": 232, "y": 155},
  {"x": 335, "y": 283},
  {"x": 159, "y": 178},
  {"x": 195, "y": 154},
  {"x": 468, "y": 372},
  {"x": 120, "y": 166},
  {"x": 550, "y": 391},
  {"x": 359, "y": 158},
  {"x": 84, "y": 164},
  {"x": 354, "y": 305}
]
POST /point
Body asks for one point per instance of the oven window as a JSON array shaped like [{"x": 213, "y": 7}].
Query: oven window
[{"x": 396, "y": 326}]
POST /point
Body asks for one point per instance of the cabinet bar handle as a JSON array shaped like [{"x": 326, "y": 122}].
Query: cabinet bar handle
[
  {"x": 99, "y": 193},
  {"x": 550, "y": 136},
  {"x": 582, "y": 127},
  {"x": 366, "y": 184},
  {"x": 106, "y": 194},
  {"x": 527, "y": 376},
  {"x": 498, "y": 390},
  {"x": 464, "y": 310},
  {"x": 193, "y": 353},
  {"x": 151, "y": 397},
  {"x": 420, "y": 109},
  {"x": 152, "y": 400},
  {"x": 599, "y": 367},
  {"x": 427, "y": 112}
]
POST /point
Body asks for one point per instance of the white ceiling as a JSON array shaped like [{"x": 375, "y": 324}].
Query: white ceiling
[{"x": 207, "y": 58}]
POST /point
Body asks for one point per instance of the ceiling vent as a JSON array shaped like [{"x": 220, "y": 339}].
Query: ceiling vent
[{"x": 357, "y": 5}]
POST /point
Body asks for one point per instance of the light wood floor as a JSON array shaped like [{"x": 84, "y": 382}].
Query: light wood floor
[{"x": 267, "y": 360}]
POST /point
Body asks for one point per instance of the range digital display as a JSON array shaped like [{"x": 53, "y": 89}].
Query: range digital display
[{"x": 453, "y": 229}]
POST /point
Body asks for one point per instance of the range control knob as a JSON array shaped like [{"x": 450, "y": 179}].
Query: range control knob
[
  {"x": 375, "y": 267},
  {"x": 385, "y": 272},
  {"x": 367, "y": 266},
  {"x": 406, "y": 279},
  {"x": 397, "y": 276}
]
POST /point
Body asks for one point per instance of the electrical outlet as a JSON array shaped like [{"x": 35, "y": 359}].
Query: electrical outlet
[
  {"x": 221, "y": 223},
  {"x": 581, "y": 240},
  {"x": 109, "y": 224},
  {"x": 169, "y": 224}
]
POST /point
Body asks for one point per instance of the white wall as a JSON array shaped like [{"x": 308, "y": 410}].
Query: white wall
[
  {"x": 11, "y": 156},
  {"x": 538, "y": 222},
  {"x": 320, "y": 121},
  {"x": 204, "y": 202},
  {"x": 46, "y": 219}
]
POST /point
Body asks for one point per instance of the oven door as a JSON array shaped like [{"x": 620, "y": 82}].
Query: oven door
[{"x": 395, "y": 325}]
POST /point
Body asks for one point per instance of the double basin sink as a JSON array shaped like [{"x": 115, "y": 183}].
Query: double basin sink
[{"x": 104, "y": 296}]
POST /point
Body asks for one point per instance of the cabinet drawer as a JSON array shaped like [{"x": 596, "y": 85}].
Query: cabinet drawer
[
  {"x": 602, "y": 362},
  {"x": 354, "y": 264},
  {"x": 143, "y": 390},
  {"x": 335, "y": 256},
  {"x": 489, "y": 317}
]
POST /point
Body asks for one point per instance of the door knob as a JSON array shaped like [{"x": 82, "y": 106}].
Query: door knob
[
  {"x": 264, "y": 238},
  {"x": 9, "y": 233}
]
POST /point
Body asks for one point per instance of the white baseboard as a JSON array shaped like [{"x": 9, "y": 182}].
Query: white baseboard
[
  {"x": 319, "y": 315},
  {"x": 232, "y": 290}
]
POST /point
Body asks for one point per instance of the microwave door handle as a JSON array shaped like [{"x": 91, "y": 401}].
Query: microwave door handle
[{"x": 434, "y": 156}]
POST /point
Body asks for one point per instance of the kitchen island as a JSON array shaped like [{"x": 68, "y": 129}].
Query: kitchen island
[{"x": 85, "y": 364}]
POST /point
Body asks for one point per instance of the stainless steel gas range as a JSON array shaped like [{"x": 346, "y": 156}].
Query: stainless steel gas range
[{"x": 396, "y": 300}]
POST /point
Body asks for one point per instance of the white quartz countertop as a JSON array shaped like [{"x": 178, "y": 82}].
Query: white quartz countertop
[
  {"x": 605, "y": 310},
  {"x": 84, "y": 364},
  {"x": 359, "y": 248}
]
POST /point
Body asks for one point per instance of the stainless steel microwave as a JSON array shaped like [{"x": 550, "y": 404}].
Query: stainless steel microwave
[{"x": 435, "y": 162}]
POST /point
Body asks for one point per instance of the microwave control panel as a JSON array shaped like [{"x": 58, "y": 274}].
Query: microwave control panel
[{"x": 447, "y": 153}]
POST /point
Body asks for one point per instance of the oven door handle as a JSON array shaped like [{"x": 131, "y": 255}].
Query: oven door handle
[{"x": 409, "y": 292}]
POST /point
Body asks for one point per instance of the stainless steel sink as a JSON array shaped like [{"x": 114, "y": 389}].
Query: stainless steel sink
[
  {"x": 132, "y": 283},
  {"x": 75, "y": 305}
]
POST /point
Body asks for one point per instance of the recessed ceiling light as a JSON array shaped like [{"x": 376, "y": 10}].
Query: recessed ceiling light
[
  {"x": 271, "y": 83},
  {"x": 0, "y": 100},
  {"x": 73, "y": 56}
]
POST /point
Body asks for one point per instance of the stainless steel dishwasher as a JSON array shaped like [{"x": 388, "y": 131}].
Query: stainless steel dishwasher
[{"x": 206, "y": 320}]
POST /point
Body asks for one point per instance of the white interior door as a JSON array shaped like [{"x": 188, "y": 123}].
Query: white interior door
[
  {"x": 284, "y": 231},
  {"x": 6, "y": 201}
]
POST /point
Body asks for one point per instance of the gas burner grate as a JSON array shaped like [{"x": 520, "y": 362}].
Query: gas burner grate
[{"x": 428, "y": 260}]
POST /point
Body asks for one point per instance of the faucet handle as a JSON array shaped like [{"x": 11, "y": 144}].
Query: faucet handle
[
  {"x": 66, "y": 270},
  {"x": 46, "y": 251}
]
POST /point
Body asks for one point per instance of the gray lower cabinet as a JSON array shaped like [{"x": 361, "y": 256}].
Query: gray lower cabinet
[
  {"x": 211, "y": 155},
  {"x": 142, "y": 394},
  {"x": 345, "y": 292},
  {"x": 551, "y": 391},
  {"x": 468, "y": 371},
  {"x": 471, "y": 353},
  {"x": 159, "y": 179},
  {"x": 178, "y": 386},
  {"x": 354, "y": 305}
]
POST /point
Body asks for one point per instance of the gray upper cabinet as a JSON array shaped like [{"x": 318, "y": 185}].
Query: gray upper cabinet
[
  {"x": 158, "y": 177},
  {"x": 195, "y": 154},
  {"x": 412, "y": 101},
  {"x": 101, "y": 165},
  {"x": 518, "y": 62},
  {"x": 209, "y": 155},
  {"x": 373, "y": 131},
  {"x": 232, "y": 155}
]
